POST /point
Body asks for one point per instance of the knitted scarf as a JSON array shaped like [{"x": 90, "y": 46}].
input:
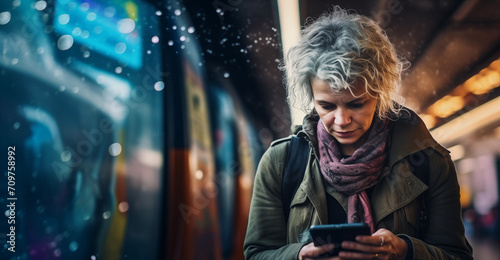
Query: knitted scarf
[{"x": 354, "y": 174}]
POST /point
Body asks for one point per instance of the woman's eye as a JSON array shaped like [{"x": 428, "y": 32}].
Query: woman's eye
[
  {"x": 357, "y": 105},
  {"x": 328, "y": 107}
]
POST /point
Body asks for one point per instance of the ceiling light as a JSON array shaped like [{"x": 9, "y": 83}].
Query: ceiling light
[
  {"x": 468, "y": 123},
  {"x": 483, "y": 82},
  {"x": 447, "y": 106},
  {"x": 289, "y": 16}
]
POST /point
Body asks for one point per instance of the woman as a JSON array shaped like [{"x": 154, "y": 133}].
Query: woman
[{"x": 364, "y": 151}]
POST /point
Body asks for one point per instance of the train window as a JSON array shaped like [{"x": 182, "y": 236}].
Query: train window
[
  {"x": 82, "y": 99},
  {"x": 111, "y": 28}
]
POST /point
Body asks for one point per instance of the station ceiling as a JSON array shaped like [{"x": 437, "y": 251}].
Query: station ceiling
[{"x": 446, "y": 42}]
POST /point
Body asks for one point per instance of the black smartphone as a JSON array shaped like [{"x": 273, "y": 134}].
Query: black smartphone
[{"x": 336, "y": 233}]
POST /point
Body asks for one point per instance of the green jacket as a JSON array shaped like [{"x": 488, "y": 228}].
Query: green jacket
[{"x": 394, "y": 200}]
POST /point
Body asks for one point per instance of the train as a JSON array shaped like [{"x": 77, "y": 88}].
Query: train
[{"x": 119, "y": 144}]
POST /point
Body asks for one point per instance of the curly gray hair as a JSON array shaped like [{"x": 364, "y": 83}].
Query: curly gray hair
[{"x": 342, "y": 48}]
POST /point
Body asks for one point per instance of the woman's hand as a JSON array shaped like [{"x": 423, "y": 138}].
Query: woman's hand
[
  {"x": 383, "y": 244},
  {"x": 310, "y": 251}
]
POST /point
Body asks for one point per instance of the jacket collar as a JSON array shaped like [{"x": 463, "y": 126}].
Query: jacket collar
[
  {"x": 409, "y": 136},
  {"x": 308, "y": 129}
]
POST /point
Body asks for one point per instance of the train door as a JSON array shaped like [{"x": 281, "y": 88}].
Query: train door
[{"x": 192, "y": 191}]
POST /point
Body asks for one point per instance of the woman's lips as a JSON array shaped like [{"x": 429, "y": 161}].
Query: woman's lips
[{"x": 345, "y": 134}]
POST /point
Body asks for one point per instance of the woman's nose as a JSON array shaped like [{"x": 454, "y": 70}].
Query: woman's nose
[{"x": 342, "y": 117}]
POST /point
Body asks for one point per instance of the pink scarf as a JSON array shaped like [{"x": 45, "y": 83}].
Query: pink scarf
[{"x": 354, "y": 174}]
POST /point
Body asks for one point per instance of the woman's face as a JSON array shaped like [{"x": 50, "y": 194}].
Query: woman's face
[{"x": 346, "y": 117}]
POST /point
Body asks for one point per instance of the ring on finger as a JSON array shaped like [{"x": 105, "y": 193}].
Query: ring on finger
[{"x": 382, "y": 242}]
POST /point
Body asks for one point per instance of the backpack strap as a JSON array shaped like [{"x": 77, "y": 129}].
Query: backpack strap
[
  {"x": 420, "y": 167},
  {"x": 296, "y": 163}
]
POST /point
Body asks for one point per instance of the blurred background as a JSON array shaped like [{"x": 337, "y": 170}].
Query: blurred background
[{"x": 136, "y": 126}]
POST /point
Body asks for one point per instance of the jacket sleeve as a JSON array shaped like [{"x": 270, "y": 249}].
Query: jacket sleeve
[
  {"x": 444, "y": 236},
  {"x": 266, "y": 236}
]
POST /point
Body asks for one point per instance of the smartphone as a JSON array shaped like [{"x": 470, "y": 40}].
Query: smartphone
[{"x": 336, "y": 233}]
